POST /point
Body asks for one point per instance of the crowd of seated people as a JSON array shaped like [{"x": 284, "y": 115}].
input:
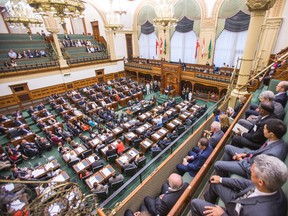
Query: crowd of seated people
[
  {"x": 26, "y": 54},
  {"x": 62, "y": 135}
]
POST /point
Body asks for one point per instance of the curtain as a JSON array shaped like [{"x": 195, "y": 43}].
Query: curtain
[
  {"x": 237, "y": 23},
  {"x": 183, "y": 47},
  {"x": 229, "y": 46},
  {"x": 147, "y": 28},
  {"x": 78, "y": 26},
  {"x": 147, "y": 46},
  {"x": 184, "y": 25}
]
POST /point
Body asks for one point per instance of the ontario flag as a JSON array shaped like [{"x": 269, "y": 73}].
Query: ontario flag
[
  {"x": 203, "y": 48},
  {"x": 197, "y": 47}
]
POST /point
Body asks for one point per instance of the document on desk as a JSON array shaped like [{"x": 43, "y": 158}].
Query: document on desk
[{"x": 106, "y": 172}]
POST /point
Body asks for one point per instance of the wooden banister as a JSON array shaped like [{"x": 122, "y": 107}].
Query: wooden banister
[{"x": 198, "y": 179}]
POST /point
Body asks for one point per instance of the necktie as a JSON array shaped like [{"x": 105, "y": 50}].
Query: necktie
[{"x": 263, "y": 146}]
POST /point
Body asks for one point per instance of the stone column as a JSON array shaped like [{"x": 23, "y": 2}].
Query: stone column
[
  {"x": 258, "y": 10},
  {"x": 52, "y": 27},
  {"x": 110, "y": 43}
]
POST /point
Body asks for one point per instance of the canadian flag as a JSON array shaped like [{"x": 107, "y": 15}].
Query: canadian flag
[
  {"x": 157, "y": 44},
  {"x": 161, "y": 46}
]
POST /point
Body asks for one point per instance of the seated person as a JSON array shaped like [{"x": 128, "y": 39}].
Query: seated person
[
  {"x": 29, "y": 149},
  {"x": 62, "y": 150},
  {"x": 4, "y": 162},
  {"x": 23, "y": 131},
  {"x": 97, "y": 162},
  {"x": 139, "y": 158},
  {"x": 55, "y": 139},
  {"x": 163, "y": 143},
  {"x": 128, "y": 165},
  {"x": 262, "y": 195},
  {"x": 110, "y": 151},
  {"x": 194, "y": 161},
  {"x": 21, "y": 173},
  {"x": 84, "y": 173},
  {"x": 97, "y": 188},
  {"x": 115, "y": 178},
  {"x": 73, "y": 156},
  {"x": 155, "y": 148},
  {"x": 239, "y": 161},
  {"x": 254, "y": 138},
  {"x": 120, "y": 147},
  {"x": 74, "y": 144},
  {"x": 170, "y": 193}
]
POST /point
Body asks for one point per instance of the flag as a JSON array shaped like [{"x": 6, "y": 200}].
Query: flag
[
  {"x": 161, "y": 46},
  {"x": 209, "y": 49},
  {"x": 197, "y": 47},
  {"x": 165, "y": 47},
  {"x": 157, "y": 44},
  {"x": 203, "y": 48}
]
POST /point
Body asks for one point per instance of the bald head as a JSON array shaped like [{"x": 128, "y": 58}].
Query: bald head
[
  {"x": 282, "y": 86},
  {"x": 175, "y": 181}
]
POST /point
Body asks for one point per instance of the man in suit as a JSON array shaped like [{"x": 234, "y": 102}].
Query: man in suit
[
  {"x": 239, "y": 160},
  {"x": 255, "y": 137},
  {"x": 281, "y": 97},
  {"x": 217, "y": 134},
  {"x": 115, "y": 178},
  {"x": 194, "y": 161},
  {"x": 260, "y": 196},
  {"x": 170, "y": 193}
]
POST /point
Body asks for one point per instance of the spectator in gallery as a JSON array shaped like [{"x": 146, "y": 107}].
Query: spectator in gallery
[
  {"x": 7, "y": 64},
  {"x": 19, "y": 56},
  {"x": 12, "y": 54},
  {"x": 13, "y": 63},
  {"x": 43, "y": 53}
]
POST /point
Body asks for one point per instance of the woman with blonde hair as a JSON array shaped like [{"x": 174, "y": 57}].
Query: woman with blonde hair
[{"x": 224, "y": 121}]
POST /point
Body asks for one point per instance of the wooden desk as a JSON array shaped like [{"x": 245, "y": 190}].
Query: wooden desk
[
  {"x": 107, "y": 171},
  {"x": 103, "y": 137},
  {"x": 144, "y": 116},
  {"x": 128, "y": 156},
  {"x": 62, "y": 177},
  {"x": 181, "y": 105},
  {"x": 158, "y": 135},
  {"x": 90, "y": 159},
  {"x": 145, "y": 145},
  {"x": 96, "y": 177},
  {"x": 52, "y": 165},
  {"x": 39, "y": 172},
  {"x": 128, "y": 137},
  {"x": 117, "y": 131},
  {"x": 80, "y": 149},
  {"x": 82, "y": 165},
  {"x": 170, "y": 111},
  {"x": 128, "y": 125},
  {"x": 113, "y": 144},
  {"x": 66, "y": 157},
  {"x": 194, "y": 108},
  {"x": 173, "y": 124},
  {"x": 156, "y": 109},
  {"x": 143, "y": 128},
  {"x": 96, "y": 141},
  {"x": 185, "y": 115}
]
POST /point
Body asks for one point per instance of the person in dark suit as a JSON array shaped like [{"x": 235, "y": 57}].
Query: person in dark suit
[
  {"x": 170, "y": 193},
  {"x": 239, "y": 161},
  {"x": 194, "y": 161},
  {"x": 260, "y": 196},
  {"x": 242, "y": 101},
  {"x": 23, "y": 131},
  {"x": 217, "y": 134},
  {"x": 281, "y": 97},
  {"x": 255, "y": 137},
  {"x": 110, "y": 151}
]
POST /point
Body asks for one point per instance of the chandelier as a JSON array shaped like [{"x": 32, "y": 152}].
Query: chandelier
[
  {"x": 20, "y": 13},
  {"x": 165, "y": 12},
  {"x": 59, "y": 8},
  {"x": 113, "y": 17}
]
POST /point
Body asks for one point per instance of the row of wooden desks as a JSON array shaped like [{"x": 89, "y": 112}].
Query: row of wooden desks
[
  {"x": 42, "y": 170},
  {"x": 84, "y": 164},
  {"x": 101, "y": 176},
  {"x": 79, "y": 150},
  {"x": 160, "y": 134},
  {"x": 127, "y": 157}
]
